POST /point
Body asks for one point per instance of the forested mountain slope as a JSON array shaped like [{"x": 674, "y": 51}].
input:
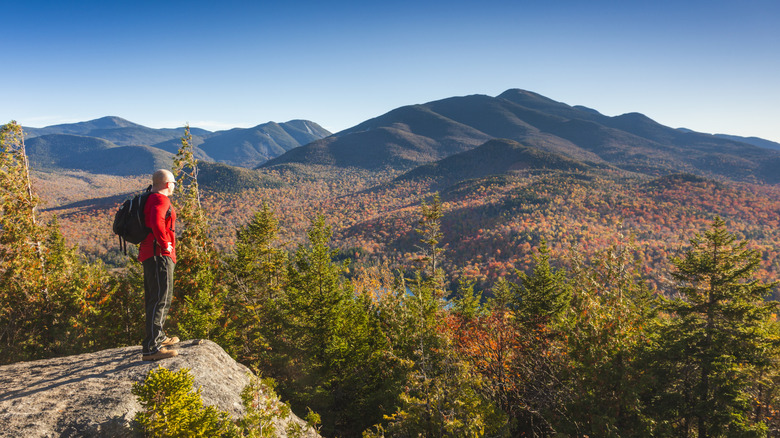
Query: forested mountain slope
[
  {"x": 53, "y": 146},
  {"x": 55, "y": 152},
  {"x": 495, "y": 157},
  {"x": 253, "y": 146},
  {"x": 418, "y": 134}
]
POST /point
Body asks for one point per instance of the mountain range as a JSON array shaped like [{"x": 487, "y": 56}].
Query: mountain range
[
  {"x": 114, "y": 129},
  {"x": 414, "y": 135},
  {"x": 422, "y": 134},
  {"x": 511, "y": 170},
  {"x": 755, "y": 141},
  {"x": 94, "y": 155},
  {"x": 116, "y": 146}
]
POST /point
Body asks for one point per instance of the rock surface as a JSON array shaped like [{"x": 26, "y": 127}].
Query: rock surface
[{"x": 90, "y": 395}]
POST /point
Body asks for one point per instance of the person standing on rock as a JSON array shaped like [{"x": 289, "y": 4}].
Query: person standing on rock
[{"x": 157, "y": 253}]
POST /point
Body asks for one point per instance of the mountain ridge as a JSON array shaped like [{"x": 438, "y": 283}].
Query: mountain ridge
[
  {"x": 115, "y": 129},
  {"x": 64, "y": 146},
  {"x": 414, "y": 135},
  {"x": 755, "y": 141},
  {"x": 495, "y": 157},
  {"x": 249, "y": 147},
  {"x": 53, "y": 152}
]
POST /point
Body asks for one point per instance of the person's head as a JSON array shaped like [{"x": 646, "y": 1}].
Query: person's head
[{"x": 163, "y": 182}]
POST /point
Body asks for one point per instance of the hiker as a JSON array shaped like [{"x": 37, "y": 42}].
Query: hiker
[{"x": 157, "y": 253}]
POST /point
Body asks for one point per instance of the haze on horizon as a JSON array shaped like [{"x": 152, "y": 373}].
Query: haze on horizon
[{"x": 707, "y": 66}]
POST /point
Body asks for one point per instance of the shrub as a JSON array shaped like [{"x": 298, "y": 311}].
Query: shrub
[{"x": 172, "y": 409}]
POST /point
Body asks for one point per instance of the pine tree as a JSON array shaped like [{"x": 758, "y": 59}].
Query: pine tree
[
  {"x": 25, "y": 301},
  {"x": 765, "y": 386},
  {"x": 23, "y": 286},
  {"x": 117, "y": 316},
  {"x": 43, "y": 282},
  {"x": 442, "y": 396},
  {"x": 71, "y": 305},
  {"x": 536, "y": 396},
  {"x": 714, "y": 341},
  {"x": 316, "y": 291},
  {"x": 608, "y": 325},
  {"x": 198, "y": 288},
  {"x": 430, "y": 237},
  {"x": 257, "y": 274},
  {"x": 544, "y": 295},
  {"x": 258, "y": 261},
  {"x": 331, "y": 353}
]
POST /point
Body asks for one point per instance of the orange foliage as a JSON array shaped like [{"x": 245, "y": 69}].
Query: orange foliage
[{"x": 490, "y": 228}]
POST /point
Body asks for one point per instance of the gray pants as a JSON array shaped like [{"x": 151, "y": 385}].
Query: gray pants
[{"x": 158, "y": 285}]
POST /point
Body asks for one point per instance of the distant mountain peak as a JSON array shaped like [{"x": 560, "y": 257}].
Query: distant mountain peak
[
  {"x": 109, "y": 122},
  {"x": 519, "y": 95},
  {"x": 254, "y": 146},
  {"x": 587, "y": 110},
  {"x": 521, "y": 92},
  {"x": 635, "y": 116}
]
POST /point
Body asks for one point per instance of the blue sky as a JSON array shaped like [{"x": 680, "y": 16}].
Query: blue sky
[{"x": 709, "y": 66}]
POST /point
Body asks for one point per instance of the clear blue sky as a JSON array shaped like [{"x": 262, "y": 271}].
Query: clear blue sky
[{"x": 711, "y": 66}]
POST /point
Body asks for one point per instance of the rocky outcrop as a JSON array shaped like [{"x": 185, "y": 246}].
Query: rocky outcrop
[{"x": 90, "y": 395}]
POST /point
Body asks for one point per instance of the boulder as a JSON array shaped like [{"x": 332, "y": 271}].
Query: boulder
[{"x": 89, "y": 395}]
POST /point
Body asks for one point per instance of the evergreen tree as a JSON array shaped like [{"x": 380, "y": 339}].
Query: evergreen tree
[
  {"x": 715, "y": 340},
  {"x": 537, "y": 399},
  {"x": 515, "y": 341},
  {"x": 331, "y": 353},
  {"x": 608, "y": 325},
  {"x": 118, "y": 315},
  {"x": 765, "y": 386},
  {"x": 257, "y": 274},
  {"x": 43, "y": 282},
  {"x": 430, "y": 237},
  {"x": 258, "y": 263},
  {"x": 544, "y": 296},
  {"x": 316, "y": 292},
  {"x": 75, "y": 295},
  {"x": 443, "y": 395},
  {"x": 198, "y": 288},
  {"x": 23, "y": 277},
  {"x": 171, "y": 408}
]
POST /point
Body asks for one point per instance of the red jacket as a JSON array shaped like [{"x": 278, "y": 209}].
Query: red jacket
[{"x": 160, "y": 217}]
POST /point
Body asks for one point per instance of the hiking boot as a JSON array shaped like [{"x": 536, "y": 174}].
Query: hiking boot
[
  {"x": 170, "y": 341},
  {"x": 162, "y": 353}
]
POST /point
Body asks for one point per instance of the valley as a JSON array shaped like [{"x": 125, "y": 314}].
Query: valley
[
  {"x": 511, "y": 171},
  {"x": 491, "y": 225}
]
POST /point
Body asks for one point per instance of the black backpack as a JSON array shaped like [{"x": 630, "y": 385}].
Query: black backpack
[{"x": 129, "y": 223}]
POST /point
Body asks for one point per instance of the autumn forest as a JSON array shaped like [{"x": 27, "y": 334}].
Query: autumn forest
[{"x": 553, "y": 299}]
